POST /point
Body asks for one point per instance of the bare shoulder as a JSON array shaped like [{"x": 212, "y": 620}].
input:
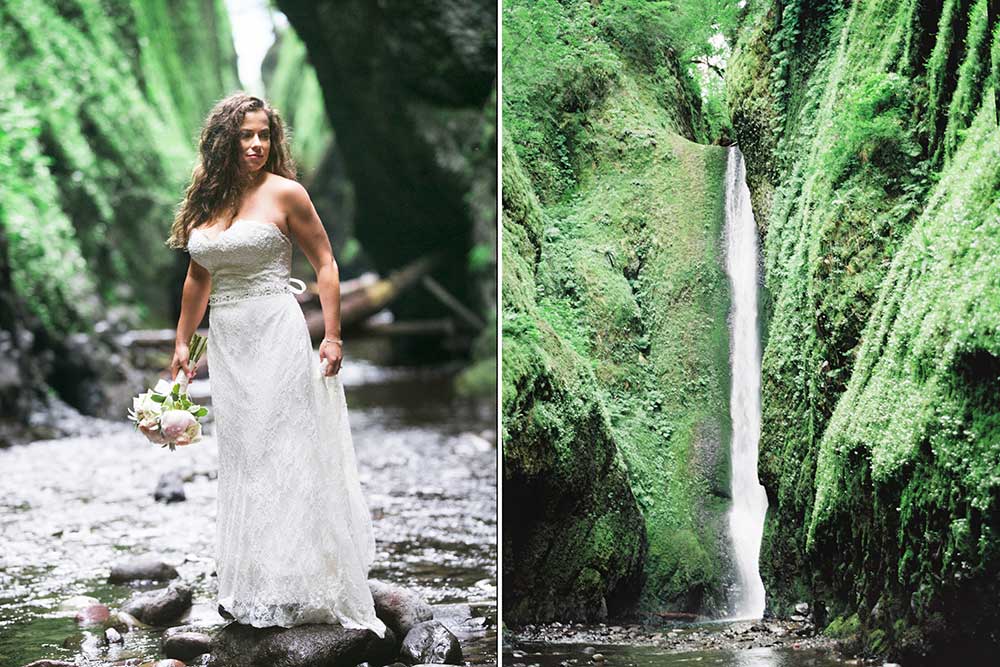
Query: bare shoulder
[{"x": 287, "y": 189}]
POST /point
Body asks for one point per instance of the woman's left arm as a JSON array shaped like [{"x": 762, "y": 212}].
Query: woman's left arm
[{"x": 307, "y": 229}]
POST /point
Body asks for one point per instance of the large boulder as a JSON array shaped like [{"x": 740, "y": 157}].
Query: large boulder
[
  {"x": 161, "y": 606},
  {"x": 313, "y": 645},
  {"x": 398, "y": 607}
]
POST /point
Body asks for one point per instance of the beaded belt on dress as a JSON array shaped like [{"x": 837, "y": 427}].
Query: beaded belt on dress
[{"x": 259, "y": 289}]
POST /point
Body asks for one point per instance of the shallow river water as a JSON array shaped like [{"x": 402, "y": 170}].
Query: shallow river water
[
  {"x": 71, "y": 507},
  {"x": 563, "y": 655}
]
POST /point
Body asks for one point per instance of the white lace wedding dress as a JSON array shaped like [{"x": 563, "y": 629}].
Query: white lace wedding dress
[{"x": 294, "y": 534}]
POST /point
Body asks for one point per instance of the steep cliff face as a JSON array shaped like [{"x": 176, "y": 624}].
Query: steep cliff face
[
  {"x": 410, "y": 90},
  {"x": 871, "y": 141},
  {"x": 574, "y": 531},
  {"x": 615, "y": 351},
  {"x": 99, "y": 112}
]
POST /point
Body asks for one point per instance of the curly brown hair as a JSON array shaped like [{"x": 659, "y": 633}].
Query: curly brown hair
[{"x": 218, "y": 180}]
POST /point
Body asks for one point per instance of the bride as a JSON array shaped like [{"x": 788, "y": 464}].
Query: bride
[{"x": 294, "y": 539}]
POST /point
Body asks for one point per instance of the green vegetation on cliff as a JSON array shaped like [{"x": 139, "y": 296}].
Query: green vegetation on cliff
[
  {"x": 100, "y": 106},
  {"x": 872, "y": 153},
  {"x": 615, "y": 350},
  {"x": 99, "y": 120}
]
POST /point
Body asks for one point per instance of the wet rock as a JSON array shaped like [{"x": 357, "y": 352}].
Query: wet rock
[
  {"x": 50, "y": 663},
  {"x": 94, "y": 614},
  {"x": 170, "y": 488},
  {"x": 185, "y": 645},
  {"x": 78, "y": 602},
  {"x": 113, "y": 636},
  {"x": 597, "y": 657},
  {"x": 430, "y": 641},
  {"x": 458, "y": 618},
  {"x": 399, "y": 608},
  {"x": 167, "y": 663},
  {"x": 471, "y": 444},
  {"x": 142, "y": 568},
  {"x": 802, "y": 608},
  {"x": 313, "y": 645},
  {"x": 161, "y": 606},
  {"x": 127, "y": 622}
]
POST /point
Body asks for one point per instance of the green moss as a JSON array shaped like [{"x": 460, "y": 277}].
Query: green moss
[
  {"x": 843, "y": 627},
  {"x": 616, "y": 275},
  {"x": 574, "y": 541},
  {"x": 99, "y": 122},
  {"x": 878, "y": 447}
]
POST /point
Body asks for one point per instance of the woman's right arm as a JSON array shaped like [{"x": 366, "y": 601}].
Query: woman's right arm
[{"x": 194, "y": 301}]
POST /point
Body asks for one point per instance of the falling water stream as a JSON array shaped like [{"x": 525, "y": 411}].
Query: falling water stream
[
  {"x": 746, "y": 518},
  {"x": 740, "y": 639}
]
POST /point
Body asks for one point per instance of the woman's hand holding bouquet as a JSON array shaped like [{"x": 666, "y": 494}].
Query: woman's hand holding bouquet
[{"x": 165, "y": 414}]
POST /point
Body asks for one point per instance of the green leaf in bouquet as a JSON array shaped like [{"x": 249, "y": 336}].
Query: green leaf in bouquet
[
  {"x": 158, "y": 398},
  {"x": 201, "y": 412}
]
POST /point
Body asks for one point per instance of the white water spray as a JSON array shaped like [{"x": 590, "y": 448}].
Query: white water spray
[{"x": 746, "y": 518}]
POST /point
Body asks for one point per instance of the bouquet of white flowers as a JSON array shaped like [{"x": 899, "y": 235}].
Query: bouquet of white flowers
[{"x": 165, "y": 414}]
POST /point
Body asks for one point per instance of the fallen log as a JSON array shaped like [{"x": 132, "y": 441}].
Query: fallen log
[
  {"x": 360, "y": 304},
  {"x": 678, "y": 616},
  {"x": 441, "y": 327}
]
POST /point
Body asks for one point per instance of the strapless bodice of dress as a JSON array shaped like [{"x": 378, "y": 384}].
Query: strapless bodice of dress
[{"x": 252, "y": 258}]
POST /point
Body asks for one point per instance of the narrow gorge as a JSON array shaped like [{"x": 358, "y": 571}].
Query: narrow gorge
[{"x": 869, "y": 131}]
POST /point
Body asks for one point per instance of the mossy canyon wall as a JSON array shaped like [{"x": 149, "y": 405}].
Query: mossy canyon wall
[
  {"x": 872, "y": 149},
  {"x": 870, "y": 134},
  {"x": 100, "y": 105},
  {"x": 615, "y": 351}
]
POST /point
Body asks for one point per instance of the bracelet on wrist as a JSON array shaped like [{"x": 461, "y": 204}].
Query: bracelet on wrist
[{"x": 333, "y": 340}]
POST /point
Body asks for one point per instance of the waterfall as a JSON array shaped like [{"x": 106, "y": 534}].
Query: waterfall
[{"x": 746, "y": 518}]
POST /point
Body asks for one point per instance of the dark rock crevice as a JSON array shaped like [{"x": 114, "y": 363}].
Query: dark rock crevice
[{"x": 409, "y": 89}]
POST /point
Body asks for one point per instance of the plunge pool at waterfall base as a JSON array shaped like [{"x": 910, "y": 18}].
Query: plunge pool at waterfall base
[{"x": 769, "y": 643}]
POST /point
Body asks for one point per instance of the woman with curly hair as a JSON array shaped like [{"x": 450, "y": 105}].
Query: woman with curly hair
[{"x": 294, "y": 539}]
